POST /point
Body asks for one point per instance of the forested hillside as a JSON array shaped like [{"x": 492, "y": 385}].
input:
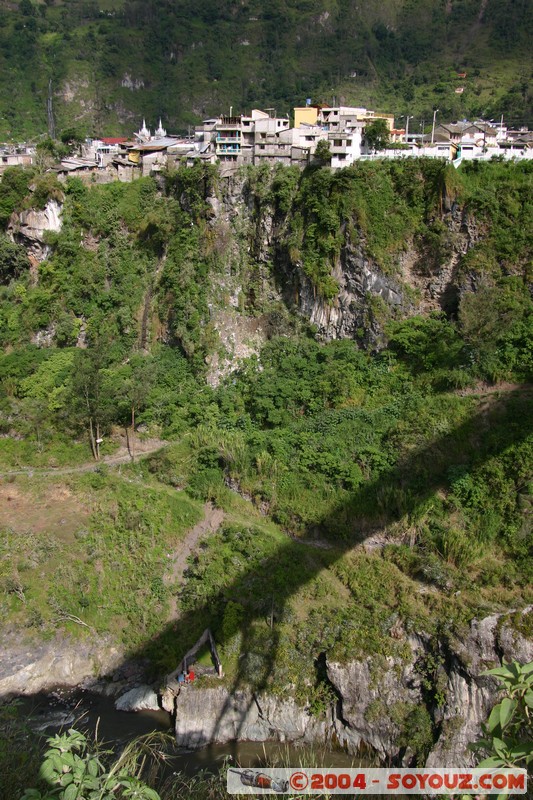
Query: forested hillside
[
  {"x": 372, "y": 456},
  {"x": 107, "y": 64}
]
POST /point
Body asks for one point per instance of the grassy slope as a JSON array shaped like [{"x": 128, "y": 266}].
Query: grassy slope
[
  {"x": 94, "y": 546},
  {"x": 99, "y": 547}
]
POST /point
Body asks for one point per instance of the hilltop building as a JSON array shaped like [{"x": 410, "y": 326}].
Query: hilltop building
[
  {"x": 241, "y": 139},
  {"x": 479, "y": 133},
  {"x": 262, "y": 137}
]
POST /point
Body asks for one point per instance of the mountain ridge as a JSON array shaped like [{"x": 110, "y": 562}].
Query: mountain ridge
[{"x": 109, "y": 64}]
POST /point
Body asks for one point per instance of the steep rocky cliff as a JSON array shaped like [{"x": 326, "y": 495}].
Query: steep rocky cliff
[
  {"x": 345, "y": 253},
  {"x": 418, "y": 271},
  {"x": 383, "y": 704},
  {"x": 258, "y": 273}
]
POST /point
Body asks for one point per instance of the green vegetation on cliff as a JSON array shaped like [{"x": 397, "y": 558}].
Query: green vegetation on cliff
[{"x": 367, "y": 493}]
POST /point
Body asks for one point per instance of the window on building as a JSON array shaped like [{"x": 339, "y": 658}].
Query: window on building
[
  {"x": 337, "y": 143},
  {"x": 261, "y": 146},
  {"x": 348, "y": 142}
]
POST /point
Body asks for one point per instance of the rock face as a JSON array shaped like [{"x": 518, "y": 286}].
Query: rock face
[
  {"x": 240, "y": 337},
  {"x": 368, "y": 296},
  {"x": 28, "y": 228},
  {"x": 29, "y": 667},
  {"x": 367, "y": 692},
  {"x": 381, "y": 701},
  {"x": 373, "y": 700},
  {"x": 470, "y": 696},
  {"x": 259, "y": 266},
  {"x": 215, "y": 715},
  {"x": 362, "y": 286},
  {"x": 256, "y": 272}
]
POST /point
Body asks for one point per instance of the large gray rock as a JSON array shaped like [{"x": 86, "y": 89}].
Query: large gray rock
[
  {"x": 370, "y": 689},
  {"x": 213, "y": 715},
  {"x": 141, "y": 698},
  {"x": 30, "y": 666},
  {"x": 359, "y": 280},
  {"x": 469, "y": 696},
  {"x": 29, "y": 228}
]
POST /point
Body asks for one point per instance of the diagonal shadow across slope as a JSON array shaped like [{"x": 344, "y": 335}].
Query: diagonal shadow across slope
[{"x": 403, "y": 490}]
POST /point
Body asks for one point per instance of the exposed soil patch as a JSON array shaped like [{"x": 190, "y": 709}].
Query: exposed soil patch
[
  {"x": 213, "y": 518},
  {"x": 55, "y": 508},
  {"x": 240, "y": 337}
]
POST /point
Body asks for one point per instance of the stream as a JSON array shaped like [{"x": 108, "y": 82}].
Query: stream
[{"x": 63, "y": 708}]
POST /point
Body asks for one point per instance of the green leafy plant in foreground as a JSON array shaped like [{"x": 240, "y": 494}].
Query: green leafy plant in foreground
[
  {"x": 74, "y": 773},
  {"x": 509, "y": 730}
]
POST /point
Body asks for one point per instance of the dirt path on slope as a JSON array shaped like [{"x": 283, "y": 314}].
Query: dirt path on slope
[
  {"x": 122, "y": 456},
  {"x": 498, "y": 388},
  {"x": 211, "y": 522}
]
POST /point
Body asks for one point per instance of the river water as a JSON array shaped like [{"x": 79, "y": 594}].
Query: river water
[{"x": 62, "y": 709}]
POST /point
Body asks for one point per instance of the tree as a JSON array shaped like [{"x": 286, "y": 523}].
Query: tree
[
  {"x": 90, "y": 396},
  {"x": 73, "y": 138},
  {"x": 26, "y": 8},
  {"x": 129, "y": 387},
  {"x": 49, "y": 152},
  {"x": 323, "y": 152},
  {"x": 377, "y": 135},
  {"x": 13, "y": 260},
  {"x": 495, "y": 322},
  {"x": 13, "y": 189}
]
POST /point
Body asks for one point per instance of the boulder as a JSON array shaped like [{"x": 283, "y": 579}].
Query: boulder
[{"x": 142, "y": 698}]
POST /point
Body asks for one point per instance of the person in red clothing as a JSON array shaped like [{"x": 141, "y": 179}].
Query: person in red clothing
[{"x": 190, "y": 676}]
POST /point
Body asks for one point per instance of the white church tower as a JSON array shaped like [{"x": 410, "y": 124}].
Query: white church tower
[
  {"x": 144, "y": 134},
  {"x": 160, "y": 132}
]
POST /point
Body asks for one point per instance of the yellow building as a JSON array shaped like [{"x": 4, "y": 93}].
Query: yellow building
[
  {"x": 338, "y": 117},
  {"x": 305, "y": 116}
]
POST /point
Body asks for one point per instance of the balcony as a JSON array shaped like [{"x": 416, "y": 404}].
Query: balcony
[{"x": 228, "y": 149}]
